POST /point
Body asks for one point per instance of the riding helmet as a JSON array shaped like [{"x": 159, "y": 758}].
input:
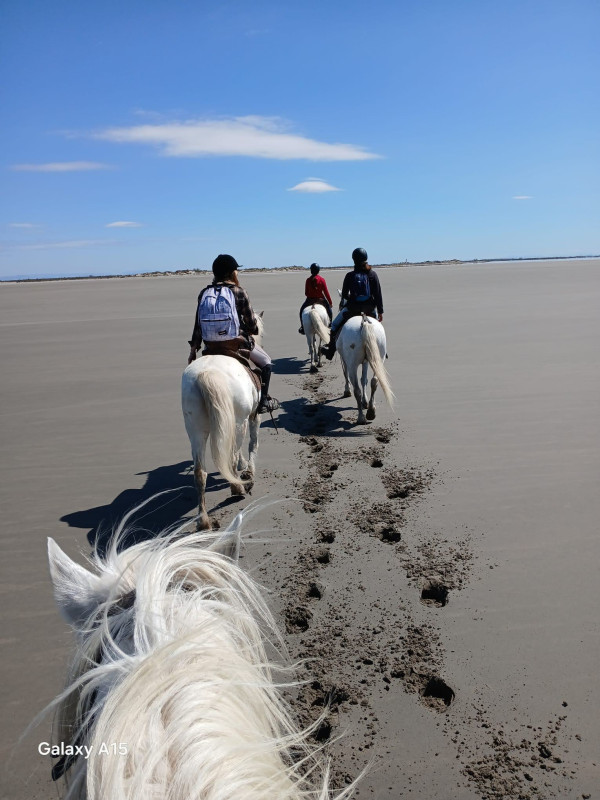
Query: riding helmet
[
  {"x": 359, "y": 256},
  {"x": 314, "y": 269}
]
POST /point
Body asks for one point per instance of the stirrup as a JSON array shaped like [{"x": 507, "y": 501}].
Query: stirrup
[
  {"x": 268, "y": 405},
  {"x": 301, "y": 330}
]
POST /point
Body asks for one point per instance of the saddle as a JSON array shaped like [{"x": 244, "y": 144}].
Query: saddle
[{"x": 235, "y": 348}]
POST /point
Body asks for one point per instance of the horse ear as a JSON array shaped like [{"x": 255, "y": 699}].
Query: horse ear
[
  {"x": 76, "y": 589},
  {"x": 340, "y": 292},
  {"x": 261, "y": 314},
  {"x": 228, "y": 545}
]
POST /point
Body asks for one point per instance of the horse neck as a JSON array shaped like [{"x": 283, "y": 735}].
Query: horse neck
[
  {"x": 193, "y": 699},
  {"x": 220, "y": 724}
]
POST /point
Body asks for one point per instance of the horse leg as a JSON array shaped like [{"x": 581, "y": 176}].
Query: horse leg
[
  {"x": 254, "y": 426},
  {"x": 312, "y": 344},
  {"x": 363, "y": 384},
  {"x": 358, "y": 396},
  {"x": 242, "y": 464},
  {"x": 347, "y": 392},
  {"x": 248, "y": 470},
  {"x": 238, "y": 489},
  {"x": 371, "y": 408},
  {"x": 200, "y": 475},
  {"x": 318, "y": 352}
]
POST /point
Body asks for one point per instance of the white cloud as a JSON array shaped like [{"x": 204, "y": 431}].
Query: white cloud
[
  {"x": 124, "y": 224},
  {"x": 61, "y": 166},
  {"x": 74, "y": 243},
  {"x": 23, "y": 225},
  {"x": 522, "y": 197},
  {"x": 314, "y": 186},
  {"x": 252, "y": 136}
]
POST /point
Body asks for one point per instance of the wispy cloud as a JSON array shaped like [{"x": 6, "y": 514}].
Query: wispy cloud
[
  {"x": 23, "y": 225},
  {"x": 124, "y": 224},
  {"x": 314, "y": 186},
  {"x": 251, "y": 136},
  {"x": 73, "y": 243},
  {"x": 61, "y": 166},
  {"x": 522, "y": 197}
]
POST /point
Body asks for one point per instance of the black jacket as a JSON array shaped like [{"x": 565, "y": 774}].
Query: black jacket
[{"x": 375, "y": 301}]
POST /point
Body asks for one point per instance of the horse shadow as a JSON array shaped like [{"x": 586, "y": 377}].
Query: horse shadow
[
  {"x": 288, "y": 366},
  {"x": 304, "y": 418},
  {"x": 159, "y": 513}
]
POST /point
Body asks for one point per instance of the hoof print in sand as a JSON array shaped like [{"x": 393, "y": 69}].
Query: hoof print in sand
[
  {"x": 389, "y": 534},
  {"x": 383, "y": 435},
  {"x": 403, "y": 482},
  {"x": 322, "y": 555},
  {"x": 297, "y": 619},
  {"x": 323, "y": 732},
  {"x": 314, "y": 591},
  {"x": 437, "y": 694},
  {"x": 434, "y": 593}
]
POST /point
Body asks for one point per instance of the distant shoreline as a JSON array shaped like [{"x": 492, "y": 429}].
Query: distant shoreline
[{"x": 249, "y": 270}]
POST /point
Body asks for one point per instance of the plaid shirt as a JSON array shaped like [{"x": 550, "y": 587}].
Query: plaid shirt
[{"x": 248, "y": 324}]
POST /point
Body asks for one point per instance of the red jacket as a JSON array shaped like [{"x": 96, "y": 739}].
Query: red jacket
[{"x": 316, "y": 288}]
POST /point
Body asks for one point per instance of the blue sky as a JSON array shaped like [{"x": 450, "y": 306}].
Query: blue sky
[{"x": 148, "y": 135}]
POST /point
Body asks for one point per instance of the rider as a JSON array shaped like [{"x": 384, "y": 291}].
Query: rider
[
  {"x": 225, "y": 269},
  {"x": 316, "y": 291},
  {"x": 362, "y": 278}
]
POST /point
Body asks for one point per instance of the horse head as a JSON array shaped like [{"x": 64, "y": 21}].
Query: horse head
[{"x": 261, "y": 327}]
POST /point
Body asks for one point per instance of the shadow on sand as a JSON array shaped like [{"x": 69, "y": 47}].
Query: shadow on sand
[
  {"x": 160, "y": 514},
  {"x": 289, "y": 366},
  {"x": 306, "y": 418}
]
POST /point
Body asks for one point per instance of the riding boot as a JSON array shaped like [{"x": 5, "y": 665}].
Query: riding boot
[
  {"x": 266, "y": 403},
  {"x": 329, "y": 349}
]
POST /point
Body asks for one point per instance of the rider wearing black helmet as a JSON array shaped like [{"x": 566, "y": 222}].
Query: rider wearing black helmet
[
  {"x": 239, "y": 327},
  {"x": 362, "y": 293}
]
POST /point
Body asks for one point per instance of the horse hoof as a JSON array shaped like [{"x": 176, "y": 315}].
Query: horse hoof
[
  {"x": 246, "y": 475},
  {"x": 361, "y": 421},
  {"x": 237, "y": 489},
  {"x": 371, "y": 413},
  {"x": 347, "y": 393},
  {"x": 313, "y": 368},
  {"x": 249, "y": 486},
  {"x": 203, "y": 523}
]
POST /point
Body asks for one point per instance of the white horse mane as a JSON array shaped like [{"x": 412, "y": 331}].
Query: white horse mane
[{"x": 172, "y": 663}]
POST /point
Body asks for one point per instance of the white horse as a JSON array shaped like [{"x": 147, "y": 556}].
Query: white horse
[
  {"x": 171, "y": 692},
  {"x": 219, "y": 401},
  {"x": 361, "y": 344},
  {"x": 315, "y": 321}
]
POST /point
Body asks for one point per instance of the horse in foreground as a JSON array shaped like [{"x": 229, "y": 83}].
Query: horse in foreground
[
  {"x": 361, "y": 344},
  {"x": 315, "y": 322},
  {"x": 171, "y": 691},
  {"x": 219, "y": 401}
]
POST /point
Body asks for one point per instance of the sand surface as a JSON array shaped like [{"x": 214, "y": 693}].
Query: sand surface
[{"x": 480, "y": 487}]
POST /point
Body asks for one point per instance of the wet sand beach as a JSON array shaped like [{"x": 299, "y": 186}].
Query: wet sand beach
[{"x": 438, "y": 567}]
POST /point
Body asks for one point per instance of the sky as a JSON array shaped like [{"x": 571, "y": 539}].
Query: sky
[{"x": 143, "y": 135}]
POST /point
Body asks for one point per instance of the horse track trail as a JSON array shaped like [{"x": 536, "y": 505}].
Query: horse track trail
[{"x": 352, "y": 591}]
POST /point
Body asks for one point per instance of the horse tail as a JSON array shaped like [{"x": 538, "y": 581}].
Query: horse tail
[
  {"x": 318, "y": 325},
  {"x": 375, "y": 361},
  {"x": 216, "y": 397}
]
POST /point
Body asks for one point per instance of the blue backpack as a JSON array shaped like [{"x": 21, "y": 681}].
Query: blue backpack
[
  {"x": 218, "y": 315},
  {"x": 360, "y": 287}
]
